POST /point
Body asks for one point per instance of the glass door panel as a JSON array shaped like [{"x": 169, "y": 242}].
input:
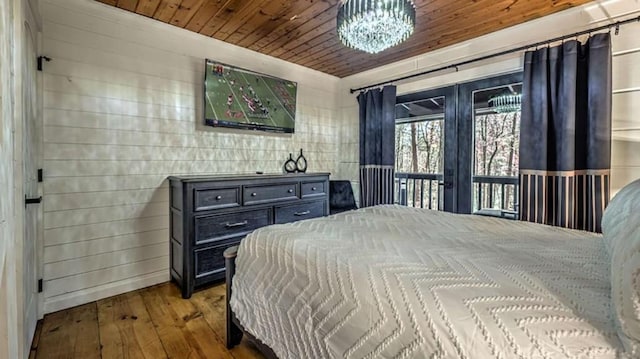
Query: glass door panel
[
  {"x": 486, "y": 172},
  {"x": 425, "y": 149},
  {"x": 496, "y": 138},
  {"x": 420, "y": 152}
]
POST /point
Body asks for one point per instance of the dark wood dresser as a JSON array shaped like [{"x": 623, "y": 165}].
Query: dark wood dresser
[{"x": 209, "y": 214}]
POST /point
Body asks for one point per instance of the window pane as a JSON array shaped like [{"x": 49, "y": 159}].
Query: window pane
[
  {"x": 497, "y": 144},
  {"x": 420, "y": 136}
]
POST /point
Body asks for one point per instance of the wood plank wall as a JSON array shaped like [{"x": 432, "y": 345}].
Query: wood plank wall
[
  {"x": 122, "y": 111},
  {"x": 626, "y": 78}
]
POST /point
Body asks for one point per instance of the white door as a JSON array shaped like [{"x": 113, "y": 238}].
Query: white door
[{"x": 31, "y": 144}]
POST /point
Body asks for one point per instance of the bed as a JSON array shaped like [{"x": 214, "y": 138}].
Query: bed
[{"x": 399, "y": 282}]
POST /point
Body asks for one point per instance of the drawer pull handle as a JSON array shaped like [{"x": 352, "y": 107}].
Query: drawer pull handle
[
  {"x": 253, "y": 194},
  {"x": 299, "y": 214},
  {"x": 218, "y": 198},
  {"x": 313, "y": 188},
  {"x": 290, "y": 190},
  {"x": 239, "y": 224}
]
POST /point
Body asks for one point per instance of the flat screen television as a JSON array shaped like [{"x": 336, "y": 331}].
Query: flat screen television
[{"x": 243, "y": 99}]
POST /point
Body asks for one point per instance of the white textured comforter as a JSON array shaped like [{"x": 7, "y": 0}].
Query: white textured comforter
[{"x": 398, "y": 282}]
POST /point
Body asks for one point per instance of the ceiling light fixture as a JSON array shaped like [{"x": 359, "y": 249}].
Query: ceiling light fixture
[
  {"x": 506, "y": 103},
  {"x": 375, "y": 25}
]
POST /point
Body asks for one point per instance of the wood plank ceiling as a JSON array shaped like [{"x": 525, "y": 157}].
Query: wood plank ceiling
[{"x": 304, "y": 31}]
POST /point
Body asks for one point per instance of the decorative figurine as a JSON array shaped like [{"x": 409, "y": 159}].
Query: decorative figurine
[
  {"x": 290, "y": 165},
  {"x": 301, "y": 163},
  {"x": 297, "y": 165}
]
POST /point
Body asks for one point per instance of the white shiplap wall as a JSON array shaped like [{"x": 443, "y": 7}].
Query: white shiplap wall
[
  {"x": 626, "y": 77},
  {"x": 625, "y": 151},
  {"x": 122, "y": 111}
]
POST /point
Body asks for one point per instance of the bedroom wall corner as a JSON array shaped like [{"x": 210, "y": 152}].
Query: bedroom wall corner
[
  {"x": 349, "y": 146},
  {"x": 122, "y": 111}
]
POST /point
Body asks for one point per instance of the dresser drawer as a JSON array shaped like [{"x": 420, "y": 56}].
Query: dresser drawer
[
  {"x": 312, "y": 189},
  {"x": 297, "y": 212},
  {"x": 210, "y": 260},
  {"x": 207, "y": 199},
  {"x": 219, "y": 227},
  {"x": 266, "y": 194}
]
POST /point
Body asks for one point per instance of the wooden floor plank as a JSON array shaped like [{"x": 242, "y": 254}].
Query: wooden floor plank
[
  {"x": 211, "y": 303},
  {"x": 72, "y": 333},
  {"x": 154, "y": 322},
  {"x": 181, "y": 327},
  {"x": 246, "y": 350},
  {"x": 203, "y": 336},
  {"x": 36, "y": 340},
  {"x": 126, "y": 330},
  {"x": 170, "y": 328}
]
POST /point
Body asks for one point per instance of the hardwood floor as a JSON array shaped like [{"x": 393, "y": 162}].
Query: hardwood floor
[{"x": 154, "y": 322}]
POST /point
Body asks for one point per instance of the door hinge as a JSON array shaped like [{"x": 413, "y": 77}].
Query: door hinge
[
  {"x": 40, "y": 175},
  {"x": 40, "y": 285},
  {"x": 40, "y": 63}
]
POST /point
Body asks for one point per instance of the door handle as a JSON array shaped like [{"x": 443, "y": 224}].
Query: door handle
[
  {"x": 239, "y": 224},
  {"x": 31, "y": 200},
  {"x": 446, "y": 184}
]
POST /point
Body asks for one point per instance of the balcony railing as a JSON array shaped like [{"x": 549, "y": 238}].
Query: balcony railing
[
  {"x": 492, "y": 195},
  {"x": 418, "y": 190},
  {"x": 496, "y": 196}
]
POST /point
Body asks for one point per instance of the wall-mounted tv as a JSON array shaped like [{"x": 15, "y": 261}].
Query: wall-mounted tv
[{"x": 239, "y": 98}]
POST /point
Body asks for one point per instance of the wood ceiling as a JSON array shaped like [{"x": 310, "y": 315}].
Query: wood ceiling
[{"x": 304, "y": 31}]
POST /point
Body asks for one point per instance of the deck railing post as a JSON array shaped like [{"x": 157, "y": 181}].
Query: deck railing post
[
  {"x": 402, "y": 189},
  {"x": 408, "y": 192},
  {"x": 430, "y": 193}
]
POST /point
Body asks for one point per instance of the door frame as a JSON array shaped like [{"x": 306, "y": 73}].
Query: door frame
[
  {"x": 29, "y": 20},
  {"x": 450, "y": 139}
]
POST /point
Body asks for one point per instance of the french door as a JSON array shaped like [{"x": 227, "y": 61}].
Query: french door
[
  {"x": 456, "y": 149},
  {"x": 425, "y": 149}
]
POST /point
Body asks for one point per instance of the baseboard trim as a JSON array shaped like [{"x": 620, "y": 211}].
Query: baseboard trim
[{"x": 69, "y": 300}]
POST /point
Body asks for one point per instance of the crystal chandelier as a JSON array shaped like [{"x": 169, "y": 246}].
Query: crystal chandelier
[
  {"x": 375, "y": 25},
  {"x": 506, "y": 103}
]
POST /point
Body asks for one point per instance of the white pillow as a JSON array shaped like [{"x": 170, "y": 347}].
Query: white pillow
[
  {"x": 621, "y": 229},
  {"x": 616, "y": 216}
]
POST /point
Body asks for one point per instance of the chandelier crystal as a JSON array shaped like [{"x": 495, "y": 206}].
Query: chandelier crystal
[
  {"x": 506, "y": 103},
  {"x": 375, "y": 25}
]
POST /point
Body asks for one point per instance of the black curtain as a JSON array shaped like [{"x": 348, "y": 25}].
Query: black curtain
[
  {"x": 377, "y": 145},
  {"x": 565, "y": 136}
]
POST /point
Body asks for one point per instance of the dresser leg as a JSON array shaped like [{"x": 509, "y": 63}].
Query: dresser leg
[{"x": 186, "y": 291}]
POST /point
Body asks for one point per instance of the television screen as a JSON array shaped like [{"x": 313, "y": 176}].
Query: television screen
[{"x": 239, "y": 98}]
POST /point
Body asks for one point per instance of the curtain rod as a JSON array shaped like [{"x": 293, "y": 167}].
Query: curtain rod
[{"x": 501, "y": 53}]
